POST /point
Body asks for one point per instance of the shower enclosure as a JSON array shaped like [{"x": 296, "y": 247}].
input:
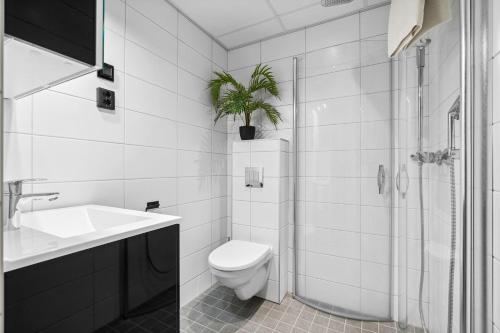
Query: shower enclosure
[{"x": 383, "y": 223}]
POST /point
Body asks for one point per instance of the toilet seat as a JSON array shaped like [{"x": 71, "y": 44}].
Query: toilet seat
[{"x": 237, "y": 255}]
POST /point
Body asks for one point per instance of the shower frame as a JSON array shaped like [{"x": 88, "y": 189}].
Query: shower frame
[{"x": 476, "y": 171}]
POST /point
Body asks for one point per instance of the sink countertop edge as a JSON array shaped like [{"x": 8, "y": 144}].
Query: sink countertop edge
[{"x": 84, "y": 242}]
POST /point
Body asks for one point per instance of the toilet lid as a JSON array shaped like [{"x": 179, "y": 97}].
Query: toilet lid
[{"x": 237, "y": 255}]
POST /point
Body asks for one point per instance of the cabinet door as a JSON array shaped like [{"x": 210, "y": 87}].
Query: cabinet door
[
  {"x": 67, "y": 27},
  {"x": 152, "y": 273},
  {"x": 56, "y": 293}
]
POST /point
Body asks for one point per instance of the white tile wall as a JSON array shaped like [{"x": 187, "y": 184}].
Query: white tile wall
[
  {"x": 159, "y": 143},
  {"x": 344, "y": 134},
  {"x": 261, "y": 214}
]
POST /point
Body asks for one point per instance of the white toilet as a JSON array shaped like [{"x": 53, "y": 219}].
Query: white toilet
[{"x": 242, "y": 266}]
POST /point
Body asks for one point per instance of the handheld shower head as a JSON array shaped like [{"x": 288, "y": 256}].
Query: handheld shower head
[{"x": 329, "y": 3}]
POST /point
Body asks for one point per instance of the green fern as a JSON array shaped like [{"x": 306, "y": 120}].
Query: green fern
[{"x": 232, "y": 99}]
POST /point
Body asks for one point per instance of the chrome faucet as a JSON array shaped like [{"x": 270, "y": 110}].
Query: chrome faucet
[{"x": 15, "y": 197}]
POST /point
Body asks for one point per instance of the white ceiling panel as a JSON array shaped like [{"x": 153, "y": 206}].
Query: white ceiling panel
[
  {"x": 219, "y": 17},
  {"x": 237, "y": 22},
  {"x": 286, "y": 6},
  {"x": 316, "y": 14},
  {"x": 252, "y": 33}
]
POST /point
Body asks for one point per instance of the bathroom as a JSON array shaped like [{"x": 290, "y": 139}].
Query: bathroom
[{"x": 322, "y": 166}]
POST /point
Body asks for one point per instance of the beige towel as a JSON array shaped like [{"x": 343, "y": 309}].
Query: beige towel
[
  {"x": 435, "y": 13},
  {"x": 406, "y": 18},
  {"x": 410, "y": 19}
]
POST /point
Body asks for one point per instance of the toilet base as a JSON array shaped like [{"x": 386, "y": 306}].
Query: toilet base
[
  {"x": 245, "y": 284},
  {"x": 252, "y": 287}
]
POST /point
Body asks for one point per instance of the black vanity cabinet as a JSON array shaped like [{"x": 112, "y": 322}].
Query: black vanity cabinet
[{"x": 120, "y": 282}]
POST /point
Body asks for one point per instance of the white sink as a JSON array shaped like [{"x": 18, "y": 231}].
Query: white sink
[
  {"x": 75, "y": 221},
  {"x": 49, "y": 234}
]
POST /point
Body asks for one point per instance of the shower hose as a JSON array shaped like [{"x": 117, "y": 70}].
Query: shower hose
[{"x": 453, "y": 245}]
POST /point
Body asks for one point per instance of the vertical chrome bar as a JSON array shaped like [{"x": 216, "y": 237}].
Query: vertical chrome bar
[
  {"x": 420, "y": 95},
  {"x": 2, "y": 294},
  {"x": 476, "y": 170},
  {"x": 466, "y": 187},
  {"x": 295, "y": 171}
]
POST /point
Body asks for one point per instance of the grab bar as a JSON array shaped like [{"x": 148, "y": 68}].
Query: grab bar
[{"x": 453, "y": 114}]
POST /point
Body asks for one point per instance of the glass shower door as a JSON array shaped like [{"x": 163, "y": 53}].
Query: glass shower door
[
  {"x": 343, "y": 245},
  {"x": 428, "y": 219}
]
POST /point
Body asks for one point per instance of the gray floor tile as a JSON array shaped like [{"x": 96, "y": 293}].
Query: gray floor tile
[
  {"x": 355, "y": 323},
  {"x": 269, "y": 322},
  {"x": 303, "y": 324},
  {"x": 335, "y": 325},
  {"x": 250, "y": 326},
  {"x": 289, "y": 319},
  {"x": 275, "y": 314},
  {"x": 370, "y": 326},
  {"x": 352, "y": 329},
  {"x": 386, "y": 329},
  {"x": 218, "y": 310},
  {"x": 263, "y": 329},
  {"x": 321, "y": 320},
  {"x": 283, "y": 327},
  {"x": 317, "y": 329}
]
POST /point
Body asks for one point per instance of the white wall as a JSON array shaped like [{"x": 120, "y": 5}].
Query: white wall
[
  {"x": 344, "y": 134},
  {"x": 159, "y": 143},
  {"x": 494, "y": 67}
]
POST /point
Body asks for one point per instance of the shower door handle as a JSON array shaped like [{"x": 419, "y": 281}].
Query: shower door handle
[
  {"x": 381, "y": 179},
  {"x": 402, "y": 187}
]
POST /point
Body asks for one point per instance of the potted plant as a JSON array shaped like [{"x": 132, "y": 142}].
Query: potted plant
[{"x": 231, "y": 98}]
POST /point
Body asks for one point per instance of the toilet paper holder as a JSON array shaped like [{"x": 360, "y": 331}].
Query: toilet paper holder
[{"x": 254, "y": 177}]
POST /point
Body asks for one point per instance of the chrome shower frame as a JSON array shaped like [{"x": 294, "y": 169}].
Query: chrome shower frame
[
  {"x": 476, "y": 170},
  {"x": 2, "y": 314}
]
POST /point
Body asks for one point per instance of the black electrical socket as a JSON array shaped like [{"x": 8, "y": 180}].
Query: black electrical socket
[
  {"x": 105, "y": 99},
  {"x": 107, "y": 72}
]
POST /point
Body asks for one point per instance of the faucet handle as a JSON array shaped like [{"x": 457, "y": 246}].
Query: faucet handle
[
  {"x": 15, "y": 186},
  {"x": 27, "y": 180}
]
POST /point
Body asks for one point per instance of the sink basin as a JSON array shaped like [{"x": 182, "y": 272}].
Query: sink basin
[
  {"x": 76, "y": 221},
  {"x": 49, "y": 234}
]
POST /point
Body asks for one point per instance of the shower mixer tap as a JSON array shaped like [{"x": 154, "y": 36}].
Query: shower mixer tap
[
  {"x": 450, "y": 153},
  {"x": 424, "y": 157}
]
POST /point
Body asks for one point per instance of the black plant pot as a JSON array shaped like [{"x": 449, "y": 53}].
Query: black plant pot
[{"x": 247, "y": 132}]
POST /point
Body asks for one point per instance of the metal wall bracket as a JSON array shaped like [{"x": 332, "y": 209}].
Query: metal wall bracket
[{"x": 254, "y": 177}]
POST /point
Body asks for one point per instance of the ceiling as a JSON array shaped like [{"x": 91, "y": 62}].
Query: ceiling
[{"x": 238, "y": 22}]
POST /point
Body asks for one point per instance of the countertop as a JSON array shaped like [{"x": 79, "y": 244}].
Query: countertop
[{"x": 26, "y": 246}]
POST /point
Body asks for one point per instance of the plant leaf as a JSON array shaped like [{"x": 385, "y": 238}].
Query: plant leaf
[
  {"x": 263, "y": 79},
  {"x": 269, "y": 110}
]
